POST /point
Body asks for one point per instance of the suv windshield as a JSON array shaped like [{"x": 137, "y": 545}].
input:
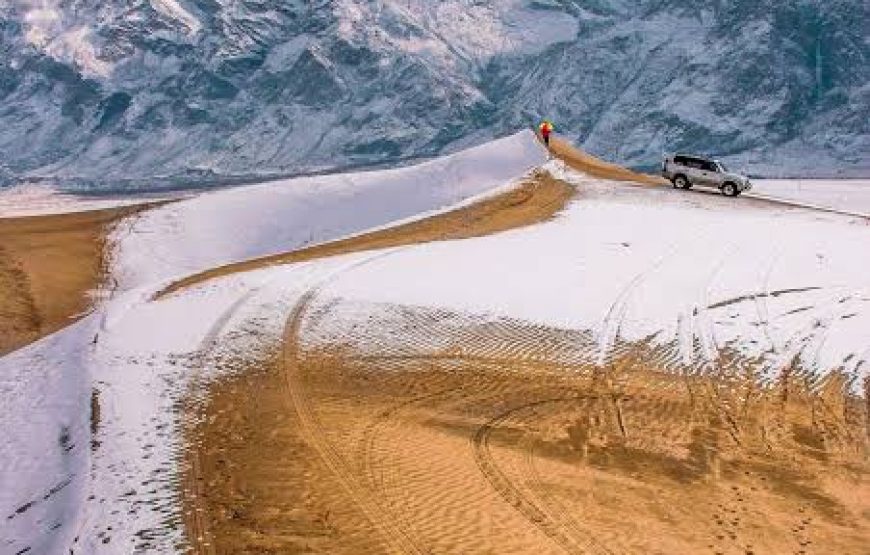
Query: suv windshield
[{"x": 721, "y": 166}]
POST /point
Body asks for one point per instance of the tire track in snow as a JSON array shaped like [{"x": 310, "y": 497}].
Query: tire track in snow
[
  {"x": 760, "y": 299},
  {"x": 613, "y": 320},
  {"x": 701, "y": 311}
]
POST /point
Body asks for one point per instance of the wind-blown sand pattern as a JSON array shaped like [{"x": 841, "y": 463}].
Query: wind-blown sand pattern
[
  {"x": 468, "y": 436},
  {"x": 584, "y": 162}
]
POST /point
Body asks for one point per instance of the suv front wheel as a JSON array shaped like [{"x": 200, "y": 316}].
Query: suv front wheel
[
  {"x": 730, "y": 190},
  {"x": 680, "y": 182}
]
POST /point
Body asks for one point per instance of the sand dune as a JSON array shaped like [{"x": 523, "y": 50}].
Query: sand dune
[
  {"x": 596, "y": 167},
  {"x": 49, "y": 267},
  {"x": 538, "y": 198},
  {"x": 556, "y": 364},
  {"x": 412, "y": 430},
  {"x": 401, "y": 429}
]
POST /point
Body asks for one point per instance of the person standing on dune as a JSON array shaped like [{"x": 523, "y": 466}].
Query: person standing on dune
[{"x": 546, "y": 128}]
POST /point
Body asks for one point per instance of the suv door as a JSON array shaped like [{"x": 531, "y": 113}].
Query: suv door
[
  {"x": 707, "y": 173},
  {"x": 693, "y": 171}
]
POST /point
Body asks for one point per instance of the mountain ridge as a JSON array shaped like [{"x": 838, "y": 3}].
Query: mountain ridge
[{"x": 186, "y": 92}]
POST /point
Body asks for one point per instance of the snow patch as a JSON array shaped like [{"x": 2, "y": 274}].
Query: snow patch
[
  {"x": 849, "y": 195},
  {"x": 46, "y": 29},
  {"x": 630, "y": 263},
  {"x": 175, "y": 11}
]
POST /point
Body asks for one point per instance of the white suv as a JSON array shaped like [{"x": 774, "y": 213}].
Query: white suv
[{"x": 686, "y": 171}]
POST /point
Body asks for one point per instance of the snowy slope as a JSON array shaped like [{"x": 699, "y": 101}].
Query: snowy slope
[
  {"x": 248, "y": 222},
  {"x": 45, "y": 392},
  {"x": 149, "y": 93},
  {"x": 638, "y": 263},
  {"x": 40, "y": 200},
  {"x": 133, "y": 358}
]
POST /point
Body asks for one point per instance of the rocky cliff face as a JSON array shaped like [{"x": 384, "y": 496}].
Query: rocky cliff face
[
  {"x": 148, "y": 93},
  {"x": 783, "y": 87}
]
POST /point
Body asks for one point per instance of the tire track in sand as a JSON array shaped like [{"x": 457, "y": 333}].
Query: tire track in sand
[
  {"x": 396, "y": 539},
  {"x": 537, "y": 199},
  {"x": 200, "y": 536},
  {"x": 520, "y": 498},
  {"x": 615, "y": 316},
  {"x": 552, "y": 504},
  {"x": 367, "y": 485}
]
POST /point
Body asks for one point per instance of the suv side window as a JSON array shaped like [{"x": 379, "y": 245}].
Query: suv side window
[
  {"x": 681, "y": 160},
  {"x": 700, "y": 164}
]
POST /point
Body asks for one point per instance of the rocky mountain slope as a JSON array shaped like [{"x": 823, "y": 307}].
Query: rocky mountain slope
[{"x": 150, "y": 93}]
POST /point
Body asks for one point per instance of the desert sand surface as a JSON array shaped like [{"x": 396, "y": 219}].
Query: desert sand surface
[
  {"x": 50, "y": 265},
  {"x": 596, "y": 167},
  {"x": 496, "y": 437}
]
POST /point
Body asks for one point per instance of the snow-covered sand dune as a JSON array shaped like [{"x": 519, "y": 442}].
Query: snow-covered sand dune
[
  {"x": 624, "y": 262},
  {"x": 124, "y": 358},
  {"x": 41, "y": 200},
  {"x": 247, "y": 222},
  {"x": 765, "y": 279}
]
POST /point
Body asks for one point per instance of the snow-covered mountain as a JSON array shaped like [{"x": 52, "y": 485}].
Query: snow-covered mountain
[{"x": 114, "y": 94}]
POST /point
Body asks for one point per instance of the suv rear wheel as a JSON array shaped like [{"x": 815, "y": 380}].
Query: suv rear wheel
[
  {"x": 680, "y": 182},
  {"x": 730, "y": 190}
]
